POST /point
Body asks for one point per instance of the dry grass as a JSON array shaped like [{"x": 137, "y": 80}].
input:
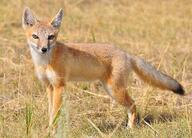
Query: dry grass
[{"x": 159, "y": 31}]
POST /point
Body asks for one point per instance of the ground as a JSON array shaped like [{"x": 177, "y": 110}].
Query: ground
[{"x": 159, "y": 31}]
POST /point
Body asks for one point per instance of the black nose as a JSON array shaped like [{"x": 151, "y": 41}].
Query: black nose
[{"x": 44, "y": 49}]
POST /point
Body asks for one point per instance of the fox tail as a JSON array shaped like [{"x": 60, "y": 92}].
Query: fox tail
[{"x": 149, "y": 74}]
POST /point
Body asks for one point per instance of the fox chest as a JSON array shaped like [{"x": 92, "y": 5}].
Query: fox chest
[{"x": 47, "y": 75}]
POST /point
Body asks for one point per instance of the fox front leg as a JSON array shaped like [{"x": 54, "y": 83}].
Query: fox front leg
[
  {"x": 56, "y": 105},
  {"x": 49, "y": 90}
]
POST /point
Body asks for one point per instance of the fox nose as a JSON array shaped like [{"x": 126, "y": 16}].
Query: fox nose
[{"x": 44, "y": 50}]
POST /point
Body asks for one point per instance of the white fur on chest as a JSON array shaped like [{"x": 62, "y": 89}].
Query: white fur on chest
[
  {"x": 41, "y": 76},
  {"x": 47, "y": 75},
  {"x": 41, "y": 61},
  {"x": 51, "y": 76}
]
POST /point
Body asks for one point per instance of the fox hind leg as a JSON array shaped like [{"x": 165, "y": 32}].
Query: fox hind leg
[
  {"x": 121, "y": 96},
  {"x": 116, "y": 88}
]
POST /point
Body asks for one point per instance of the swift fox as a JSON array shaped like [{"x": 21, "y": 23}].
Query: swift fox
[{"x": 56, "y": 63}]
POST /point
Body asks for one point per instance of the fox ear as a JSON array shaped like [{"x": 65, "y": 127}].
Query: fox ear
[
  {"x": 28, "y": 18},
  {"x": 56, "y": 21}
]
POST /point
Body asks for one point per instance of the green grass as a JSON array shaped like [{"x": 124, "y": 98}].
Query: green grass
[
  {"x": 159, "y": 31},
  {"x": 28, "y": 118}
]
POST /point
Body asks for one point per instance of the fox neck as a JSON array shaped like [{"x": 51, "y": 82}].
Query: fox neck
[{"x": 38, "y": 58}]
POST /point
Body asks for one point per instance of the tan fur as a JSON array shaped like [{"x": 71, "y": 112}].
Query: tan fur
[{"x": 86, "y": 62}]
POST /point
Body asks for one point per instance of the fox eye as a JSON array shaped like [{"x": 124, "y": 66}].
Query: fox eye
[
  {"x": 35, "y": 36},
  {"x": 51, "y": 37}
]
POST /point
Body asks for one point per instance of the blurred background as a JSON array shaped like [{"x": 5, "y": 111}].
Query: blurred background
[{"x": 158, "y": 30}]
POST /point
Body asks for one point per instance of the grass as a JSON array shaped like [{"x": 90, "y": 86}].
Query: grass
[
  {"x": 29, "y": 113},
  {"x": 159, "y": 31}
]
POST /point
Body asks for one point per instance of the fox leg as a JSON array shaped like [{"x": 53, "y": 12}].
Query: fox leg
[
  {"x": 57, "y": 101},
  {"x": 116, "y": 83},
  {"x": 120, "y": 95},
  {"x": 49, "y": 90},
  {"x": 124, "y": 99}
]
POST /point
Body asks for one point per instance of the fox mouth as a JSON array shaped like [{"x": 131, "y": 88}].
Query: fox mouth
[
  {"x": 41, "y": 50},
  {"x": 45, "y": 50}
]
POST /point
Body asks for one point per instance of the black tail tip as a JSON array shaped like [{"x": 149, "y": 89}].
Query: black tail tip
[{"x": 179, "y": 90}]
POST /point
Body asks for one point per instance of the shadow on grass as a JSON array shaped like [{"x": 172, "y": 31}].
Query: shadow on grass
[
  {"x": 107, "y": 126},
  {"x": 162, "y": 117}
]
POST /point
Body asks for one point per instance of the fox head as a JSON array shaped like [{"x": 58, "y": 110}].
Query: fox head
[{"x": 41, "y": 35}]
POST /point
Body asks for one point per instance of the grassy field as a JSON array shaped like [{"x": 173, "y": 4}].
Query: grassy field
[{"x": 158, "y": 30}]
